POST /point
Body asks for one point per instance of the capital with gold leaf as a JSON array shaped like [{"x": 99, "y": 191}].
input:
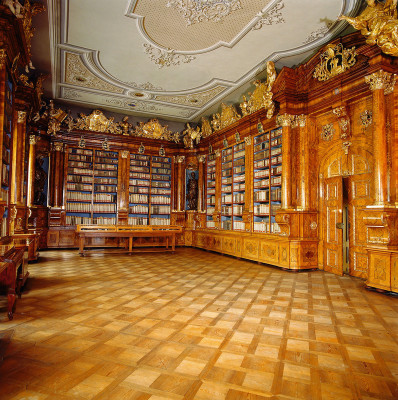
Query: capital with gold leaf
[{"x": 381, "y": 80}]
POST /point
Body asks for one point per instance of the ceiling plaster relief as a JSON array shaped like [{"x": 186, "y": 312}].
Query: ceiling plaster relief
[
  {"x": 211, "y": 10},
  {"x": 272, "y": 14},
  {"x": 272, "y": 17},
  {"x": 166, "y": 58}
]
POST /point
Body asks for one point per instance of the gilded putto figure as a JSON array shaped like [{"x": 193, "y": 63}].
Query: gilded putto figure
[{"x": 379, "y": 24}]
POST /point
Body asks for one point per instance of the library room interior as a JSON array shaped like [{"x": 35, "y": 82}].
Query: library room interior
[{"x": 198, "y": 200}]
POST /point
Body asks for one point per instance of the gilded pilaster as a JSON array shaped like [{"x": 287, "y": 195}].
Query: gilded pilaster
[
  {"x": 380, "y": 83},
  {"x": 286, "y": 120},
  {"x": 31, "y": 169},
  {"x": 201, "y": 182}
]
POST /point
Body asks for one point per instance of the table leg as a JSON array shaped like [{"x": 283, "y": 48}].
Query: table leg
[
  {"x": 130, "y": 244},
  {"x": 81, "y": 245},
  {"x": 11, "y": 303},
  {"x": 173, "y": 242}
]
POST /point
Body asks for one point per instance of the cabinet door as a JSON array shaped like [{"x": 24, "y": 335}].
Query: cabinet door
[{"x": 333, "y": 223}]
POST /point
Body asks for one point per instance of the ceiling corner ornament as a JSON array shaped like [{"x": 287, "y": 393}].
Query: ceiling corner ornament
[
  {"x": 379, "y": 24},
  {"x": 195, "y": 11},
  {"x": 334, "y": 61},
  {"x": 166, "y": 58},
  {"x": 327, "y": 132},
  {"x": 271, "y": 17},
  {"x": 381, "y": 80},
  {"x": 262, "y": 94},
  {"x": 77, "y": 74}
]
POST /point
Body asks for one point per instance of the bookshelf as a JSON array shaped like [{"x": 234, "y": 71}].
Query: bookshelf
[
  {"x": 105, "y": 187},
  {"x": 160, "y": 198},
  {"x": 267, "y": 171},
  {"x": 210, "y": 190},
  {"x": 139, "y": 183},
  {"x": 238, "y": 186},
  {"x": 6, "y": 151},
  {"x": 79, "y": 186},
  {"x": 226, "y": 188}
]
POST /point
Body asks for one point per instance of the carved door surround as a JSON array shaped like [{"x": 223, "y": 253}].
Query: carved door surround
[{"x": 357, "y": 168}]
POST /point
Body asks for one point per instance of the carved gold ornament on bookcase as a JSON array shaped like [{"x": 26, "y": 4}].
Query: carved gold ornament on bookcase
[
  {"x": 262, "y": 95},
  {"x": 379, "y": 24},
  {"x": 334, "y": 61}
]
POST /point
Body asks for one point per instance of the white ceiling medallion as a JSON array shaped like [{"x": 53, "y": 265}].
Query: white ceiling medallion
[
  {"x": 204, "y": 10},
  {"x": 166, "y": 58}
]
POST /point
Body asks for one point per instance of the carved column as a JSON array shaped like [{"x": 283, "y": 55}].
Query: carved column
[
  {"x": 31, "y": 169},
  {"x": 3, "y": 60},
  {"x": 58, "y": 174},
  {"x": 18, "y": 159},
  {"x": 248, "y": 207},
  {"x": 285, "y": 120},
  {"x": 381, "y": 83},
  {"x": 201, "y": 182},
  {"x": 181, "y": 183},
  {"x": 303, "y": 173}
]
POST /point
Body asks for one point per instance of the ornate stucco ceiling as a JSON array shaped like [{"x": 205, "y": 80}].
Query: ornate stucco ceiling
[{"x": 149, "y": 58}]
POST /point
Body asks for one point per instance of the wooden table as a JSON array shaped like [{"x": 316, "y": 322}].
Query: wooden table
[{"x": 128, "y": 232}]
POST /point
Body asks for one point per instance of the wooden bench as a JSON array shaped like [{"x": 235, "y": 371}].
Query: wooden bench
[{"x": 129, "y": 232}]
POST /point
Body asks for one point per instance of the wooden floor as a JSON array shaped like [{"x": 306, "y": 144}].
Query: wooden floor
[{"x": 195, "y": 325}]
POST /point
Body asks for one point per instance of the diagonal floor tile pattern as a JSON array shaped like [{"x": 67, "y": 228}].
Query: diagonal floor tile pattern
[{"x": 194, "y": 325}]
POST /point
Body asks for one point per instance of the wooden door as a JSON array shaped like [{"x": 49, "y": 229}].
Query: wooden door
[
  {"x": 359, "y": 196},
  {"x": 333, "y": 223}
]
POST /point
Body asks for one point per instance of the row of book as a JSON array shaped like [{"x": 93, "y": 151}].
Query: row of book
[
  {"x": 239, "y": 162},
  {"x": 211, "y": 190},
  {"x": 80, "y": 179},
  {"x": 101, "y": 172},
  {"x": 239, "y": 154},
  {"x": 78, "y": 157},
  {"x": 161, "y": 171},
  {"x": 160, "y": 221},
  {"x": 105, "y": 188},
  {"x": 138, "y": 220},
  {"x": 80, "y": 152},
  {"x": 139, "y": 163},
  {"x": 239, "y": 225},
  {"x": 226, "y": 210},
  {"x": 138, "y": 198},
  {"x": 239, "y": 187},
  {"x": 210, "y": 224},
  {"x": 112, "y": 167},
  {"x": 160, "y": 210},
  {"x": 78, "y": 196},
  {"x": 80, "y": 171},
  {"x": 105, "y": 181},
  {"x": 261, "y": 209},
  {"x": 80, "y": 164},
  {"x": 139, "y": 209},
  {"x": 161, "y": 191},
  {"x": 105, "y": 197},
  {"x": 161, "y": 177},
  {"x": 238, "y": 209},
  {"x": 160, "y": 199},
  {"x": 160, "y": 184},
  {"x": 239, "y": 197},
  {"x": 104, "y": 208},
  {"x": 138, "y": 182},
  {"x": 239, "y": 170},
  {"x": 210, "y": 210},
  {"x": 140, "y": 169}
]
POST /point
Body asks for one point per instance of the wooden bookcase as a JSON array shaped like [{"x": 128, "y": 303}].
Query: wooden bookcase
[
  {"x": 267, "y": 185},
  {"x": 6, "y": 151},
  {"x": 139, "y": 185},
  {"x": 160, "y": 199},
  {"x": 238, "y": 187},
  {"x": 210, "y": 190}
]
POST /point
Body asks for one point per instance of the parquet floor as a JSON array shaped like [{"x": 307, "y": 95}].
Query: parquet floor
[{"x": 195, "y": 325}]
